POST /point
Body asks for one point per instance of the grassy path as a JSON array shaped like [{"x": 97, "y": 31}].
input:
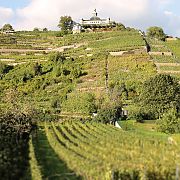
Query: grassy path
[{"x": 50, "y": 164}]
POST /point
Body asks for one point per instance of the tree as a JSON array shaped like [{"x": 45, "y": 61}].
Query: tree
[
  {"x": 36, "y": 29},
  {"x": 7, "y": 27},
  {"x": 156, "y": 32},
  {"x": 120, "y": 27},
  {"x": 45, "y": 30},
  {"x": 66, "y": 24},
  {"x": 169, "y": 123},
  {"x": 109, "y": 114},
  {"x": 158, "y": 95}
]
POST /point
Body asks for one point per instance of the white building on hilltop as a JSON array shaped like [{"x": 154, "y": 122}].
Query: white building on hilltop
[
  {"x": 93, "y": 23},
  {"x": 96, "y": 22}
]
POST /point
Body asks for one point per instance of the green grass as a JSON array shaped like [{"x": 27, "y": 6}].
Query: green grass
[
  {"x": 147, "y": 128},
  {"x": 170, "y": 68},
  {"x": 175, "y": 47},
  {"x": 35, "y": 169},
  {"x": 119, "y": 43},
  {"x": 165, "y": 59},
  {"x": 51, "y": 166}
]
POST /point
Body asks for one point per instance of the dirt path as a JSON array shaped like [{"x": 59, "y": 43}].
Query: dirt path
[
  {"x": 169, "y": 72},
  {"x": 167, "y": 64},
  {"x": 48, "y": 50},
  {"x": 91, "y": 89}
]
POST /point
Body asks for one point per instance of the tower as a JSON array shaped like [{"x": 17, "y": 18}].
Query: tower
[{"x": 94, "y": 13}]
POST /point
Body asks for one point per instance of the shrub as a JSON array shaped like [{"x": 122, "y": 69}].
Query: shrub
[
  {"x": 159, "y": 94},
  {"x": 57, "y": 57},
  {"x": 169, "y": 123},
  {"x": 109, "y": 114}
]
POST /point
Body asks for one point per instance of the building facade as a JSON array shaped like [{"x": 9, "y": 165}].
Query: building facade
[{"x": 95, "y": 21}]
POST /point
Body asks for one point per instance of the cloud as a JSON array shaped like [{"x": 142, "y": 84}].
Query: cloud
[
  {"x": 173, "y": 22},
  {"x": 135, "y": 13},
  {"x": 5, "y": 15}
]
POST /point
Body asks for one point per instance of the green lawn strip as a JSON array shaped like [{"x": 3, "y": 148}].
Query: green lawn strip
[
  {"x": 51, "y": 166},
  {"x": 170, "y": 68},
  {"x": 146, "y": 129},
  {"x": 35, "y": 169}
]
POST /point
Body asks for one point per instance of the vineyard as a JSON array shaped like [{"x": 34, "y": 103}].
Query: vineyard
[
  {"x": 98, "y": 151},
  {"x": 65, "y": 82}
]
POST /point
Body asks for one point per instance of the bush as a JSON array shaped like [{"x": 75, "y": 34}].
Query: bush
[
  {"x": 159, "y": 94},
  {"x": 156, "y": 32},
  {"x": 4, "y": 68},
  {"x": 80, "y": 103},
  {"x": 169, "y": 123},
  {"x": 57, "y": 57},
  {"x": 56, "y": 105},
  {"x": 109, "y": 114},
  {"x": 15, "y": 128}
]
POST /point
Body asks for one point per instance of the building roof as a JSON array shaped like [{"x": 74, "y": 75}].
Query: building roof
[{"x": 95, "y": 18}]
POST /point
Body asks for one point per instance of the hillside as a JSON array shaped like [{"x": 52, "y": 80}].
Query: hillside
[{"x": 65, "y": 80}]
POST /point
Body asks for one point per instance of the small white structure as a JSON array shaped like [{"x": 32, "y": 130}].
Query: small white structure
[
  {"x": 117, "y": 125},
  {"x": 76, "y": 28}
]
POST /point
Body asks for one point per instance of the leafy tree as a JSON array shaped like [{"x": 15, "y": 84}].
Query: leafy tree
[
  {"x": 169, "y": 123},
  {"x": 45, "y": 29},
  {"x": 158, "y": 95},
  {"x": 120, "y": 27},
  {"x": 36, "y": 29},
  {"x": 66, "y": 24},
  {"x": 7, "y": 27},
  {"x": 156, "y": 32},
  {"x": 109, "y": 114}
]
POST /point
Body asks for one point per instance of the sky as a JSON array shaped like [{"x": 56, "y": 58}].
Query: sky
[{"x": 140, "y": 14}]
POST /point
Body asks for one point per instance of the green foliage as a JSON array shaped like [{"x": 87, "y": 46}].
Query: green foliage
[
  {"x": 15, "y": 128},
  {"x": 56, "y": 104},
  {"x": 57, "y": 57},
  {"x": 66, "y": 24},
  {"x": 108, "y": 114},
  {"x": 120, "y": 27},
  {"x": 7, "y": 27},
  {"x": 4, "y": 68},
  {"x": 36, "y": 29},
  {"x": 159, "y": 94},
  {"x": 112, "y": 153},
  {"x": 156, "y": 32},
  {"x": 175, "y": 48},
  {"x": 37, "y": 69},
  {"x": 131, "y": 71},
  {"x": 136, "y": 113},
  {"x": 119, "y": 43},
  {"x": 169, "y": 122},
  {"x": 45, "y": 29},
  {"x": 83, "y": 103}
]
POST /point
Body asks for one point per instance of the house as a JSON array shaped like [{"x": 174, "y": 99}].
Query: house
[{"x": 93, "y": 23}]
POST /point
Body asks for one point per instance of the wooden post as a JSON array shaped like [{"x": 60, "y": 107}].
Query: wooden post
[{"x": 106, "y": 73}]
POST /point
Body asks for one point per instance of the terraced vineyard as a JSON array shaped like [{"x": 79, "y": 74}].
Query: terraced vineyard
[
  {"x": 98, "y": 151},
  {"x": 70, "y": 77}
]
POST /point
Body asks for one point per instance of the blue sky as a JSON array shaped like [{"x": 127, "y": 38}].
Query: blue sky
[
  {"x": 14, "y": 3},
  {"x": 27, "y": 14}
]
